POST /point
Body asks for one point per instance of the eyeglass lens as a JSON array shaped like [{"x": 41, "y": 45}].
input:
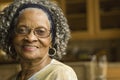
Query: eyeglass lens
[{"x": 39, "y": 31}]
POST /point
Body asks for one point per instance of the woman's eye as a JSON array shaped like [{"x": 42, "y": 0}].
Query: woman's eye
[
  {"x": 21, "y": 30},
  {"x": 40, "y": 31}
]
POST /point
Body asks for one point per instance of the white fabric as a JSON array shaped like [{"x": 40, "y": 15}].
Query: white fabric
[{"x": 55, "y": 71}]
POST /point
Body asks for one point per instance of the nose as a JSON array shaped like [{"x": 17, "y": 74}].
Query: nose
[{"x": 31, "y": 37}]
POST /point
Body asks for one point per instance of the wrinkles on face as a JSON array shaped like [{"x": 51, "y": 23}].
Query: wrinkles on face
[{"x": 30, "y": 46}]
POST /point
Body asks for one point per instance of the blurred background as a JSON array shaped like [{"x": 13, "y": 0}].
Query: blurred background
[{"x": 94, "y": 49}]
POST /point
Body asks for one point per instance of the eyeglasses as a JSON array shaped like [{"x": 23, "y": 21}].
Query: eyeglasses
[{"x": 40, "y": 32}]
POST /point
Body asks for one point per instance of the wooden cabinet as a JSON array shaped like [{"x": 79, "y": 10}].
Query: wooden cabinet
[
  {"x": 107, "y": 15},
  {"x": 89, "y": 19},
  {"x": 93, "y": 19},
  {"x": 8, "y": 70},
  {"x": 84, "y": 71},
  {"x": 4, "y": 3},
  {"x": 80, "y": 18},
  {"x": 113, "y": 71}
]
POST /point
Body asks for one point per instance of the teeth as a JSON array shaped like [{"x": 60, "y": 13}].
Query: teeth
[{"x": 29, "y": 46}]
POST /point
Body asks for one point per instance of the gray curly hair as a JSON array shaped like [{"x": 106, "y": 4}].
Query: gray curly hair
[{"x": 62, "y": 31}]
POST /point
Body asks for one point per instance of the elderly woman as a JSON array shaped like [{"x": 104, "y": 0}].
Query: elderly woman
[{"x": 36, "y": 33}]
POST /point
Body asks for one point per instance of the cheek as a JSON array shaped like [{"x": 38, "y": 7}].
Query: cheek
[
  {"x": 17, "y": 41},
  {"x": 16, "y": 44},
  {"x": 46, "y": 42}
]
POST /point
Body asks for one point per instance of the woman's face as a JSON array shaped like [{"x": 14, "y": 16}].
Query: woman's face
[{"x": 32, "y": 39}]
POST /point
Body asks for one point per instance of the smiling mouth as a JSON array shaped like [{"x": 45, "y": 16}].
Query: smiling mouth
[{"x": 29, "y": 48}]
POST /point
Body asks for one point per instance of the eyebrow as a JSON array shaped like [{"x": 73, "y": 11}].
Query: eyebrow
[{"x": 33, "y": 28}]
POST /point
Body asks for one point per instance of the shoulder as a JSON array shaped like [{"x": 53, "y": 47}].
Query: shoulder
[
  {"x": 63, "y": 71},
  {"x": 60, "y": 65}
]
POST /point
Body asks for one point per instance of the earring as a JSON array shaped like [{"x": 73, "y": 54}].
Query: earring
[
  {"x": 52, "y": 52},
  {"x": 9, "y": 50},
  {"x": 12, "y": 53}
]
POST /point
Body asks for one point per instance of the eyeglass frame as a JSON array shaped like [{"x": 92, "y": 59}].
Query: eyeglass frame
[{"x": 28, "y": 31}]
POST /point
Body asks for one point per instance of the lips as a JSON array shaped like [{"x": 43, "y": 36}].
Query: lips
[{"x": 29, "y": 47}]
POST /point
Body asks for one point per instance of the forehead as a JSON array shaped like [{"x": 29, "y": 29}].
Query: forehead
[
  {"x": 33, "y": 17},
  {"x": 37, "y": 10},
  {"x": 30, "y": 11}
]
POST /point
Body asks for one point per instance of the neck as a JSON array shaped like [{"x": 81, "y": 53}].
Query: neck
[{"x": 31, "y": 67}]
